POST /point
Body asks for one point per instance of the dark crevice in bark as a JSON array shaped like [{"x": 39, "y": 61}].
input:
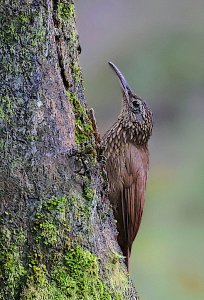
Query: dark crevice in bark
[
  {"x": 61, "y": 64},
  {"x": 58, "y": 45}
]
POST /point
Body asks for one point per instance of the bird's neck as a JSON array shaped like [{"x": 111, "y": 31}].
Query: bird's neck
[
  {"x": 137, "y": 133},
  {"x": 122, "y": 134}
]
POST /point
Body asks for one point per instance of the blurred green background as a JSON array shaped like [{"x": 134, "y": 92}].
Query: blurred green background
[{"x": 159, "y": 47}]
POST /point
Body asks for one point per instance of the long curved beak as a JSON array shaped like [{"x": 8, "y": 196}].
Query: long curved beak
[{"x": 123, "y": 82}]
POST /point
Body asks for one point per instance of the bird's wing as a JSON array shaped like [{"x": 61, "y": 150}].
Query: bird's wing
[{"x": 134, "y": 174}]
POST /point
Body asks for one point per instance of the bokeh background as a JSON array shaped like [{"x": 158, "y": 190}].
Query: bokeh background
[{"x": 159, "y": 47}]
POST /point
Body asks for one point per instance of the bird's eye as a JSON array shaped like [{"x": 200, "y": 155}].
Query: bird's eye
[{"x": 136, "y": 105}]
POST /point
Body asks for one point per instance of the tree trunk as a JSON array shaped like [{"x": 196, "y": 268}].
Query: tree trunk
[{"x": 57, "y": 233}]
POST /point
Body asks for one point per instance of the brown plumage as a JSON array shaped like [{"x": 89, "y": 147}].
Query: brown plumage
[{"x": 127, "y": 160}]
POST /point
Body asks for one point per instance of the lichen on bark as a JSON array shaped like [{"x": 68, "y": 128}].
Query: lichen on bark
[{"x": 57, "y": 233}]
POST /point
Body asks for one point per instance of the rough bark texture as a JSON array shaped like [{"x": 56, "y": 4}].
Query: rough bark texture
[{"x": 57, "y": 234}]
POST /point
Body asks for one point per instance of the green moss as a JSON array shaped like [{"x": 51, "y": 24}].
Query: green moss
[
  {"x": 23, "y": 18},
  {"x": 84, "y": 272},
  {"x": 65, "y": 15},
  {"x": 50, "y": 220},
  {"x": 74, "y": 277},
  {"x": 76, "y": 70},
  {"x": 74, "y": 38},
  {"x": 73, "y": 271},
  {"x": 11, "y": 268},
  {"x": 82, "y": 132},
  {"x": 118, "y": 275},
  {"x": 18, "y": 30},
  {"x": 83, "y": 126},
  {"x": 39, "y": 32},
  {"x": 77, "y": 107},
  {"x": 37, "y": 283},
  {"x": 32, "y": 138},
  {"x": 48, "y": 233},
  {"x": 59, "y": 269},
  {"x": 80, "y": 211},
  {"x": 6, "y": 107},
  {"x": 55, "y": 204},
  {"x": 13, "y": 27},
  {"x": 88, "y": 192},
  {"x": 65, "y": 11},
  {"x": 70, "y": 273}
]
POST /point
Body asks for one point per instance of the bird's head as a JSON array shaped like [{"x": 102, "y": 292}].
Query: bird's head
[
  {"x": 136, "y": 107},
  {"x": 135, "y": 110}
]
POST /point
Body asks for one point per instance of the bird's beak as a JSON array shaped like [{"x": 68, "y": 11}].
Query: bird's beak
[{"x": 123, "y": 82}]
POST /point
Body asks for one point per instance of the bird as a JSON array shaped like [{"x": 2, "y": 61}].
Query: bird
[{"x": 125, "y": 150}]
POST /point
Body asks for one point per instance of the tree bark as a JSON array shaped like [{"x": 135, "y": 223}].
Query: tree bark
[{"x": 57, "y": 233}]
